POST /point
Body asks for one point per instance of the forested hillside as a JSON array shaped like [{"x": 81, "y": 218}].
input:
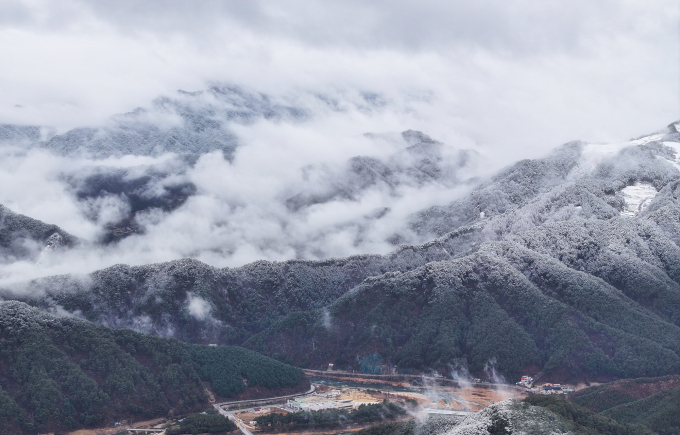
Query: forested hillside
[
  {"x": 62, "y": 373},
  {"x": 22, "y": 237},
  {"x": 508, "y": 303},
  {"x": 566, "y": 265},
  {"x": 652, "y": 402}
]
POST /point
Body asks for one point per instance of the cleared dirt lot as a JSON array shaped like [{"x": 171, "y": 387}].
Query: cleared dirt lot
[
  {"x": 453, "y": 395},
  {"x": 113, "y": 430}
]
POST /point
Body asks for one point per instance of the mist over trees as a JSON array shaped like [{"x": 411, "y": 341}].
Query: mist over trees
[{"x": 540, "y": 252}]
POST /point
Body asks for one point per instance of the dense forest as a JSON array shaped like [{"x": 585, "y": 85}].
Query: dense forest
[
  {"x": 210, "y": 423},
  {"x": 651, "y": 402},
  {"x": 330, "y": 418},
  {"x": 583, "y": 420},
  {"x": 508, "y": 304},
  {"x": 63, "y": 373},
  {"x": 551, "y": 279}
]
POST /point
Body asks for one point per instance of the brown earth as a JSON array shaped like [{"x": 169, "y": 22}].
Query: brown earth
[
  {"x": 250, "y": 416},
  {"x": 121, "y": 429},
  {"x": 473, "y": 397},
  {"x": 641, "y": 388}
]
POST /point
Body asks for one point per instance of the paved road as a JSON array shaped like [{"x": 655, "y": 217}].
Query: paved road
[
  {"x": 239, "y": 423},
  {"x": 230, "y": 415},
  {"x": 447, "y": 412},
  {"x": 312, "y": 388}
]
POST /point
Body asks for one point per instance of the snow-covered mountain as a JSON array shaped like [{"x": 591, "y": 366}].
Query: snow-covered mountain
[
  {"x": 22, "y": 237},
  {"x": 146, "y": 173},
  {"x": 422, "y": 161},
  {"x": 186, "y": 123},
  {"x": 565, "y": 265},
  {"x": 588, "y": 180}
]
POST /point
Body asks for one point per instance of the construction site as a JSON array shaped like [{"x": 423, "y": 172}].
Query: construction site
[
  {"x": 325, "y": 397},
  {"x": 445, "y": 399}
]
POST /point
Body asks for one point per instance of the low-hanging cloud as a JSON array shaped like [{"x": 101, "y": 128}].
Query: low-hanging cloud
[
  {"x": 198, "y": 307},
  {"x": 508, "y": 80},
  {"x": 508, "y": 75},
  {"x": 240, "y": 208}
]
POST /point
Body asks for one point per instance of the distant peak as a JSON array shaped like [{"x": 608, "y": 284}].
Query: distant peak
[
  {"x": 413, "y": 137},
  {"x": 674, "y": 127}
]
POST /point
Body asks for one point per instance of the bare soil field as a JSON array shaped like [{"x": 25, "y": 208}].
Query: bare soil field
[
  {"x": 470, "y": 397},
  {"x": 119, "y": 429},
  {"x": 250, "y": 416}
]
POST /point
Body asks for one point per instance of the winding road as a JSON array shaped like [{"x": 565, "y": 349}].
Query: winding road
[{"x": 239, "y": 423}]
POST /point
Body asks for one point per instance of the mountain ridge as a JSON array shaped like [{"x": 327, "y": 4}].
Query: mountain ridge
[
  {"x": 598, "y": 281},
  {"x": 22, "y": 237},
  {"x": 599, "y": 286},
  {"x": 63, "y": 373}
]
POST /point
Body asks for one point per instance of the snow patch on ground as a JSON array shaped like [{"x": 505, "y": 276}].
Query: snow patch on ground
[
  {"x": 646, "y": 139},
  {"x": 513, "y": 418},
  {"x": 594, "y": 153},
  {"x": 637, "y": 198},
  {"x": 676, "y": 147}
]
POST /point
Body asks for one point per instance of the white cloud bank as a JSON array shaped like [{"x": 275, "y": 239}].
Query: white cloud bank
[
  {"x": 507, "y": 74},
  {"x": 510, "y": 79},
  {"x": 238, "y": 213}
]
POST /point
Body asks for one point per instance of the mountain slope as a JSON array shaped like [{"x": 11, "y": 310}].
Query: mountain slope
[
  {"x": 22, "y": 237},
  {"x": 537, "y": 415},
  {"x": 187, "y": 123},
  {"x": 573, "y": 256},
  {"x": 423, "y": 161},
  {"x": 505, "y": 303},
  {"x": 59, "y": 373},
  {"x": 652, "y": 402}
]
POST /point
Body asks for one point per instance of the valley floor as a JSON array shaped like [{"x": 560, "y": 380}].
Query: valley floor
[
  {"x": 430, "y": 392},
  {"x": 122, "y": 429}
]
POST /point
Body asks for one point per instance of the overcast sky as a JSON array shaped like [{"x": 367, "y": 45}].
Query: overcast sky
[
  {"x": 519, "y": 75},
  {"x": 510, "y": 79}
]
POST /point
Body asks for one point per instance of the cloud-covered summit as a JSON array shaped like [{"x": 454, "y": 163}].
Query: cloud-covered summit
[
  {"x": 291, "y": 179},
  {"x": 572, "y": 257},
  {"x": 511, "y": 76}
]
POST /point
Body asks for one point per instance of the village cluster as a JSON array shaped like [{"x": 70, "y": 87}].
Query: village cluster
[
  {"x": 334, "y": 399},
  {"x": 547, "y": 388}
]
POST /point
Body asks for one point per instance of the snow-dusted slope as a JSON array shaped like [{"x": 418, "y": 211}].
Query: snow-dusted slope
[
  {"x": 512, "y": 417},
  {"x": 22, "y": 237},
  {"x": 188, "y": 123},
  {"x": 422, "y": 161},
  {"x": 185, "y": 123},
  {"x": 557, "y": 252},
  {"x": 637, "y": 197},
  {"x": 577, "y": 179}
]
